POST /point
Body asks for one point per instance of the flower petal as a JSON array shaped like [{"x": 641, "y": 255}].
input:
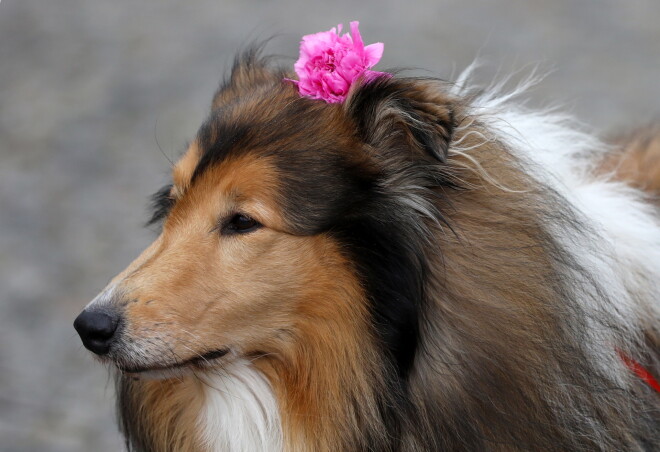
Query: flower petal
[
  {"x": 373, "y": 53},
  {"x": 357, "y": 37}
]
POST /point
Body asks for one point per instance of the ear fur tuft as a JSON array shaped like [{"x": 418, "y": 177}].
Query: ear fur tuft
[{"x": 393, "y": 113}]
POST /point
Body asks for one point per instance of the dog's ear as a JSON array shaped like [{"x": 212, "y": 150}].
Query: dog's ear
[
  {"x": 402, "y": 115},
  {"x": 250, "y": 70}
]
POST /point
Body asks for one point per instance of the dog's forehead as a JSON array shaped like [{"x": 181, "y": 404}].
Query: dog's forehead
[
  {"x": 272, "y": 123},
  {"x": 311, "y": 149}
]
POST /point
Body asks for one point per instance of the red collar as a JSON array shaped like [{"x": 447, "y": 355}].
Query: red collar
[{"x": 640, "y": 371}]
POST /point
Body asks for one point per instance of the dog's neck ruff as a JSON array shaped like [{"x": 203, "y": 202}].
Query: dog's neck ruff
[{"x": 240, "y": 412}]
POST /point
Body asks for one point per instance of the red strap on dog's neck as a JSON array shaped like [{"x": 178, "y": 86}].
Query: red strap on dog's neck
[{"x": 641, "y": 372}]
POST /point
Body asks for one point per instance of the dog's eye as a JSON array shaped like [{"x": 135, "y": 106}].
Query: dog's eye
[{"x": 240, "y": 224}]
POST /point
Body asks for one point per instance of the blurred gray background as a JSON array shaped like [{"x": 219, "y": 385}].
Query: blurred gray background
[{"x": 89, "y": 91}]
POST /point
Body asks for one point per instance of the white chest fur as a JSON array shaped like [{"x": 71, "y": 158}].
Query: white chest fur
[{"x": 240, "y": 412}]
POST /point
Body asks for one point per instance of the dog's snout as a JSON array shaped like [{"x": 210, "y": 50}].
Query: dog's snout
[{"x": 96, "y": 329}]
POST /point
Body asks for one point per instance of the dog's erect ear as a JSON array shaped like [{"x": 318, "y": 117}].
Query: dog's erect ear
[
  {"x": 399, "y": 115},
  {"x": 250, "y": 70}
]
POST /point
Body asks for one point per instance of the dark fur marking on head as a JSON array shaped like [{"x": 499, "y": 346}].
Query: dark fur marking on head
[{"x": 218, "y": 139}]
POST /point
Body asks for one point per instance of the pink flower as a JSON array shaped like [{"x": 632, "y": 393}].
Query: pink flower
[{"x": 330, "y": 63}]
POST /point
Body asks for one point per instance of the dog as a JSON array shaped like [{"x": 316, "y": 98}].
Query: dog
[{"x": 422, "y": 267}]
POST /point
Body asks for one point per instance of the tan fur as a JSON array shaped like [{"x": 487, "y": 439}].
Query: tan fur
[
  {"x": 169, "y": 412},
  {"x": 313, "y": 378},
  {"x": 184, "y": 168},
  {"x": 636, "y": 160}
]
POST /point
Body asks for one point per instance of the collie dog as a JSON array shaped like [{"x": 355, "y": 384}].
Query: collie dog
[{"x": 423, "y": 267}]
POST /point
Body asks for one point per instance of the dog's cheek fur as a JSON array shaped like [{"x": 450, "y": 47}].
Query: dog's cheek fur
[{"x": 326, "y": 370}]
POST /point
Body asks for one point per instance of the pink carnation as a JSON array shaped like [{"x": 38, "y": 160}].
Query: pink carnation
[{"x": 330, "y": 63}]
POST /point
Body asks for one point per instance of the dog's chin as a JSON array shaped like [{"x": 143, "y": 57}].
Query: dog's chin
[{"x": 163, "y": 371}]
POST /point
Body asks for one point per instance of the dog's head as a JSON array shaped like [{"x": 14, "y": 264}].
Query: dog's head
[{"x": 288, "y": 220}]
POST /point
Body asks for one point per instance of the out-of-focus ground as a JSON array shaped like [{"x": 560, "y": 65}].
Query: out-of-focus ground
[{"x": 90, "y": 89}]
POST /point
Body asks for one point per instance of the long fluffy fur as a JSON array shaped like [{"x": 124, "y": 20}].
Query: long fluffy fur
[{"x": 501, "y": 267}]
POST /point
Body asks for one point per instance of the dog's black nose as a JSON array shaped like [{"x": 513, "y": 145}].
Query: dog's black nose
[{"x": 96, "y": 329}]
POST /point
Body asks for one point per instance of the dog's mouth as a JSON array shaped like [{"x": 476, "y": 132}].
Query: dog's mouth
[{"x": 198, "y": 362}]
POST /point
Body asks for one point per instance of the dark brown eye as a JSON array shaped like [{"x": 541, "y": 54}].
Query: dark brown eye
[{"x": 240, "y": 224}]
